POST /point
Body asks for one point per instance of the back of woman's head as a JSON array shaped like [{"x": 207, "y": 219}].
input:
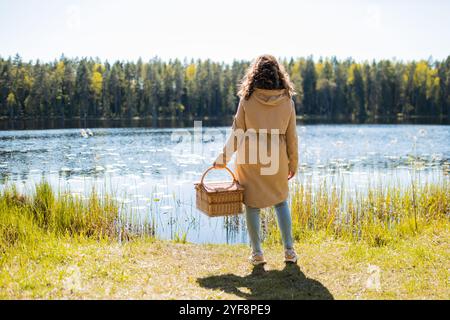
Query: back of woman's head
[{"x": 265, "y": 73}]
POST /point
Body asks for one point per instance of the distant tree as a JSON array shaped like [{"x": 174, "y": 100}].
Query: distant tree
[
  {"x": 294, "y": 69},
  {"x": 309, "y": 77},
  {"x": 82, "y": 89},
  {"x": 11, "y": 103},
  {"x": 116, "y": 89},
  {"x": 96, "y": 88},
  {"x": 357, "y": 94}
]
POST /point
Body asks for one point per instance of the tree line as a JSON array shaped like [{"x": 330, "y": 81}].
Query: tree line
[{"x": 70, "y": 88}]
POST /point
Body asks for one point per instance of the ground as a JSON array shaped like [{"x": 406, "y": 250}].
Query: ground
[{"x": 413, "y": 268}]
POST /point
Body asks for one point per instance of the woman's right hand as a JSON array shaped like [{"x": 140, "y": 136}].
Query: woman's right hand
[{"x": 218, "y": 165}]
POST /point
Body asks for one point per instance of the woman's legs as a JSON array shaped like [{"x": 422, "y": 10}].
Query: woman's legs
[
  {"x": 254, "y": 227},
  {"x": 285, "y": 224}
]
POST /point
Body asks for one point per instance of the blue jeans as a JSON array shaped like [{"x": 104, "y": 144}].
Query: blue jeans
[{"x": 254, "y": 226}]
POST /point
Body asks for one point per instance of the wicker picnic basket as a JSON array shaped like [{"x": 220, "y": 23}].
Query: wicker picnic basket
[{"x": 217, "y": 199}]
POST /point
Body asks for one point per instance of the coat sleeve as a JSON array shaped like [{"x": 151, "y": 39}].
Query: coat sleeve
[
  {"x": 232, "y": 142},
  {"x": 292, "y": 141}
]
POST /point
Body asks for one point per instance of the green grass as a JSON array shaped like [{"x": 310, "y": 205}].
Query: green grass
[
  {"x": 25, "y": 220},
  {"x": 414, "y": 267},
  {"x": 380, "y": 216},
  {"x": 60, "y": 246}
]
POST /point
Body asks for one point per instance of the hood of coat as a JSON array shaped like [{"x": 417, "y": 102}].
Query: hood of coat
[{"x": 270, "y": 97}]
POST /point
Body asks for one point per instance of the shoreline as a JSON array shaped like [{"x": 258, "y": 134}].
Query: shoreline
[
  {"x": 183, "y": 122},
  {"x": 55, "y": 246}
]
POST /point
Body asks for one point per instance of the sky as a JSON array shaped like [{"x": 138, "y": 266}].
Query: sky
[{"x": 225, "y": 30}]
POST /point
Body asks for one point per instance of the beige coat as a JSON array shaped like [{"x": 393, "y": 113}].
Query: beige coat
[{"x": 266, "y": 109}]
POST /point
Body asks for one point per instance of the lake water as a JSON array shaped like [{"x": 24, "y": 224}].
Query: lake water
[{"x": 152, "y": 171}]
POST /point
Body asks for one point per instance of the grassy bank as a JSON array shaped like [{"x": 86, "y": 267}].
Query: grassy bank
[
  {"x": 393, "y": 244},
  {"x": 413, "y": 268}
]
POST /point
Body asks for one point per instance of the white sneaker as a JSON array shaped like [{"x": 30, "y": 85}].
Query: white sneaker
[
  {"x": 257, "y": 259},
  {"x": 290, "y": 256}
]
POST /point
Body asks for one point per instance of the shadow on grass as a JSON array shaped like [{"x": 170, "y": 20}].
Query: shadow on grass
[{"x": 287, "y": 284}]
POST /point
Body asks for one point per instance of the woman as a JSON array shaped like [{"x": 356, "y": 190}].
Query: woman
[{"x": 266, "y": 103}]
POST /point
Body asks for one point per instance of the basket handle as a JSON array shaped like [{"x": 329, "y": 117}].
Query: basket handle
[{"x": 212, "y": 168}]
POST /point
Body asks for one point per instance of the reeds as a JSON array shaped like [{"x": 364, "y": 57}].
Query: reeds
[
  {"x": 376, "y": 215},
  {"x": 24, "y": 219}
]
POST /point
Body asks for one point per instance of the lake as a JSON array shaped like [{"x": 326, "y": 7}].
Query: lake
[{"x": 151, "y": 171}]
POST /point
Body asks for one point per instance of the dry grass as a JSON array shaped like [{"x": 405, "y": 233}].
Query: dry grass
[
  {"x": 413, "y": 268},
  {"x": 58, "y": 247}
]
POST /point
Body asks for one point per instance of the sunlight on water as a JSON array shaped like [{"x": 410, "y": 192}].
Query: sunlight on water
[{"x": 152, "y": 176}]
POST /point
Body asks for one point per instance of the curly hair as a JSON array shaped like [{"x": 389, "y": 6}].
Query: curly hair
[{"x": 265, "y": 73}]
